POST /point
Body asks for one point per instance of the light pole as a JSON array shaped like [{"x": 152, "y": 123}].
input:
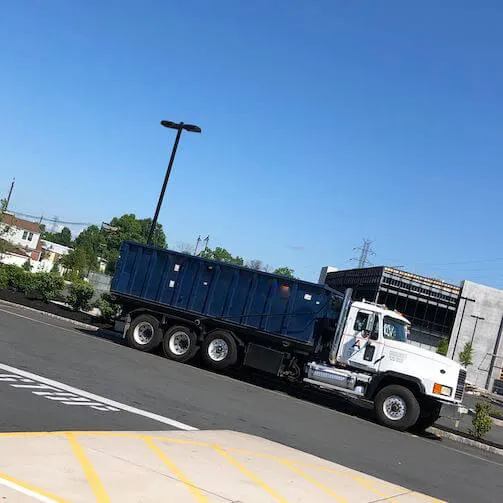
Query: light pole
[
  {"x": 179, "y": 126},
  {"x": 466, "y": 299},
  {"x": 477, "y": 318}
]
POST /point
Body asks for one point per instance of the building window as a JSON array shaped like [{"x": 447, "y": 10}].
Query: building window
[
  {"x": 30, "y": 236},
  {"x": 25, "y": 234}
]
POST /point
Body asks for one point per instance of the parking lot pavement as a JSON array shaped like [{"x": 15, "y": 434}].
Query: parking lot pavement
[
  {"x": 34, "y": 403},
  {"x": 153, "y": 393},
  {"x": 201, "y": 467}
]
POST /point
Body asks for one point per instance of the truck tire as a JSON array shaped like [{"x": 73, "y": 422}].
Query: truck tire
[
  {"x": 396, "y": 407},
  {"x": 144, "y": 333},
  {"x": 430, "y": 413},
  {"x": 220, "y": 350},
  {"x": 180, "y": 343}
]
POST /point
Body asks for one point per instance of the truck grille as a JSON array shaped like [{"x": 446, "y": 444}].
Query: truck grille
[{"x": 460, "y": 388}]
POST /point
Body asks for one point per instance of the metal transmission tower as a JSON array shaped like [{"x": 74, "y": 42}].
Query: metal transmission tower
[{"x": 365, "y": 252}]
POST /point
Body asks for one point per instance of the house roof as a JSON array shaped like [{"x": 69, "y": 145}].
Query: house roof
[
  {"x": 20, "y": 223},
  {"x": 55, "y": 247}
]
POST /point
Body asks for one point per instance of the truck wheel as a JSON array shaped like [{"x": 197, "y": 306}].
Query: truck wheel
[
  {"x": 144, "y": 333},
  {"x": 179, "y": 343},
  {"x": 219, "y": 350},
  {"x": 396, "y": 407},
  {"x": 430, "y": 413}
]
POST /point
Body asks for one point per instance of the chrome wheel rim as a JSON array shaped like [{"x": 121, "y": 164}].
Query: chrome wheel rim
[
  {"x": 394, "y": 408},
  {"x": 179, "y": 343},
  {"x": 218, "y": 349},
  {"x": 143, "y": 333}
]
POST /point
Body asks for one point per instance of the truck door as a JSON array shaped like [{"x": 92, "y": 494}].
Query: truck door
[{"x": 360, "y": 345}]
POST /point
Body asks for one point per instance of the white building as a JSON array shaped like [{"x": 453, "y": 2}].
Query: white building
[
  {"x": 479, "y": 320},
  {"x": 52, "y": 253},
  {"x": 24, "y": 236}
]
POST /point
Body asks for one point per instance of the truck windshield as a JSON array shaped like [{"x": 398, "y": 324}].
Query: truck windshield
[{"x": 395, "y": 329}]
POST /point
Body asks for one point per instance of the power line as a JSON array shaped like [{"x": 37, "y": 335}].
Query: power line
[{"x": 56, "y": 220}]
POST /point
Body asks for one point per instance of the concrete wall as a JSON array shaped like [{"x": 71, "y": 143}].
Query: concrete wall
[
  {"x": 488, "y": 303},
  {"x": 7, "y": 258}
]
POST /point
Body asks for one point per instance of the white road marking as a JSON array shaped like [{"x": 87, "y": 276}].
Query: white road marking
[
  {"x": 98, "y": 402},
  {"x": 26, "y": 491}
]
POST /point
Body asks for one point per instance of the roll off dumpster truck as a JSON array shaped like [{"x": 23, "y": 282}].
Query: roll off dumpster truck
[{"x": 303, "y": 332}]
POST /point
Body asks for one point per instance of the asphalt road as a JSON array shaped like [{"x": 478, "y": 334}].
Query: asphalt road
[{"x": 205, "y": 400}]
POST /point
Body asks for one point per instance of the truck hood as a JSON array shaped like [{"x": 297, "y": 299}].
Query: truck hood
[
  {"x": 441, "y": 360},
  {"x": 427, "y": 367}
]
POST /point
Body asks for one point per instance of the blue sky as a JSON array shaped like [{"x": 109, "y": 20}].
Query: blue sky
[{"x": 324, "y": 122}]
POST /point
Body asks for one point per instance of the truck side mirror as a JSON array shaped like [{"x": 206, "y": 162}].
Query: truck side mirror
[
  {"x": 370, "y": 327},
  {"x": 371, "y": 318}
]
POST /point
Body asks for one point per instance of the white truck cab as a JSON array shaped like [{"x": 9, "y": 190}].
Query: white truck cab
[{"x": 371, "y": 358}]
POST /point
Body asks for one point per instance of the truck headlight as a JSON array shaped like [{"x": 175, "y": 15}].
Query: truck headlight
[{"x": 440, "y": 389}]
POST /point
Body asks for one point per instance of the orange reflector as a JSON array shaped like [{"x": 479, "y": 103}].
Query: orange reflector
[{"x": 437, "y": 388}]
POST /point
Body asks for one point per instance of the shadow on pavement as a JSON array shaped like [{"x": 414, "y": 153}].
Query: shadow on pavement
[{"x": 303, "y": 392}]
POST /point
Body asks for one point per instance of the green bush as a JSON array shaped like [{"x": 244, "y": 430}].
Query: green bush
[
  {"x": 80, "y": 295},
  {"x": 24, "y": 282},
  {"x": 109, "y": 309},
  {"x": 443, "y": 346},
  {"x": 4, "y": 278},
  {"x": 14, "y": 275},
  {"x": 48, "y": 285},
  {"x": 482, "y": 421}
]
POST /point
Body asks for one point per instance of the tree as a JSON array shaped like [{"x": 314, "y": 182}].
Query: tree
[
  {"x": 256, "y": 265},
  {"x": 443, "y": 346},
  {"x": 466, "y": 356},
  {"x": 185, "y": 248},
  {"x": 64, "y": 237},
  {"x": 105, "y": 243},
  {"x": 80, "y": 261},
  {"x": 284, "y": 271},
  {"x": 221, "y": 255}
]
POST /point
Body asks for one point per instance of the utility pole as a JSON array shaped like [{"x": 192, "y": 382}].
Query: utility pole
[
  {"x": 466, "y": 299},
  {"x": 198, "y": 241},
  {"x": 10, "y": 194},
  {"x": 477, "y": 318},
  {"x": 365, "y": 252},
  {"x": 206, "y": 241},
  {"x": 494, "y": 356}
]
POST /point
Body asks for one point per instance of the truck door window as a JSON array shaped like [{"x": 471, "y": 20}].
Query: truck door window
[
  {"x": 361, "y": 322},
  {"x": 395, "y": 329}
]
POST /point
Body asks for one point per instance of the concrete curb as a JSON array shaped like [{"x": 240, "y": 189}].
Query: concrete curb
[
  {"x": 466, "y": 441},
  {"x": 50, "y": 315}
]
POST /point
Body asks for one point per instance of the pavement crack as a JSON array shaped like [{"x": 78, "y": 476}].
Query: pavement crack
[{"x": 390, "y": 498}]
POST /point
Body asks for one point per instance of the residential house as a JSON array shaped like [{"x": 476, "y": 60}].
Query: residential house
[{"x": 23, "y": 237}]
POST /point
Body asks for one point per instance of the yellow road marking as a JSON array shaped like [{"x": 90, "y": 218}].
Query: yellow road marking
[
  {"x": 358, "y": 478},
  {"x": 313, "y": 481},
  {"x": 196, "y": 492},
  {"x": 35, "y": 491},
  {"x": 220, "y": 450},
  {"x": 12, "y": 434},
  {"x": 91, "y": 475}
]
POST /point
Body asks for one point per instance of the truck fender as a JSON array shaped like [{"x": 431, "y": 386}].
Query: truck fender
[{"x": 391, "y": 377}]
